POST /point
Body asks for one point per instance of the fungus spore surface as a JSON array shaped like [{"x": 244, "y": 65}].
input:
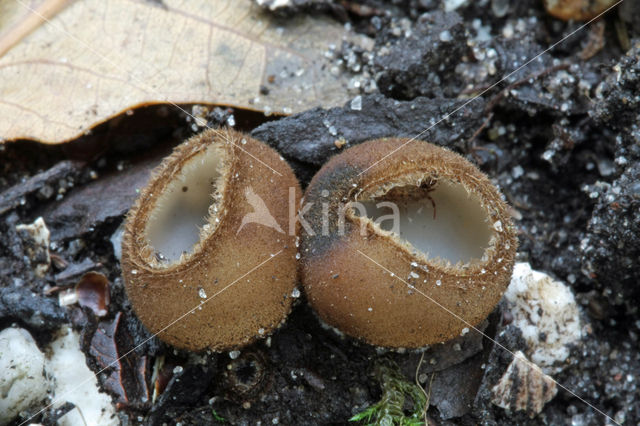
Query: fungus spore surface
[
  {"x": 187, "y": 205},
  {"x": 444, "y": 222}
]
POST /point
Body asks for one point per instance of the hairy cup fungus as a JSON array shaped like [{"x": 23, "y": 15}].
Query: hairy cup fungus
[
  {"x": 210, "y": 231},
  {"x": 434, "y": 224}
]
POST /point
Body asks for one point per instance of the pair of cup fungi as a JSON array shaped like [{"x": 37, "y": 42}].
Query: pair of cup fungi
[{"x": 217, "y": 229}]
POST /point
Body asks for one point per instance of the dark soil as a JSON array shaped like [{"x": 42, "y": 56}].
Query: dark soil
[{"x": 560, "y": 137}]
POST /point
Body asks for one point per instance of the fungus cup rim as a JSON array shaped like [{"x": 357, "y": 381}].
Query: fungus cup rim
[
  {"x": 142, "y": 252},
  {"x": 412, "y": 253}
]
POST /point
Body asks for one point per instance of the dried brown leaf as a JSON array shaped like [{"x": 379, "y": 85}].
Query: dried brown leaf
[
  {"x": 125, "y": 377},
  {"x": 94, "y": 59}
]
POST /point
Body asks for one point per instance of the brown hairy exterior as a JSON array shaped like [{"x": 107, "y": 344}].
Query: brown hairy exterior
[
  {"x": 356, "y": 296},
  {"x": 244, "y": 304}
]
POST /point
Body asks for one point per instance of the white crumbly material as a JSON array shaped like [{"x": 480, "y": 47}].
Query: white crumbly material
[
  {"x": 38, "y": 247},
  {"x": 29, "y": 381},
  {"x": 75, "y": 383},
  {"x": 23, "y": 384},
  {"x": 546, "y": 312}
]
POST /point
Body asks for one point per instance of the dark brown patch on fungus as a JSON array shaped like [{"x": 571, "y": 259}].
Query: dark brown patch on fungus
[
  {"x": 196, "y": 249},
  {"x": 462, "y": 258}
]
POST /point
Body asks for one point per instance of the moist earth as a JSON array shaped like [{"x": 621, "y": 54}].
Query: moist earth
[{"x": 560, "y": 136}]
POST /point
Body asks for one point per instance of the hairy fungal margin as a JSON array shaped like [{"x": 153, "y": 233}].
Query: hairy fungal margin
[
  {"x": 186, "y": 212},
  {"x": 439, "y": 220}
]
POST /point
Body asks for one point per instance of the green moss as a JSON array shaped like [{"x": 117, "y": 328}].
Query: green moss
[
  {"x": 397, "y": 394},
  {"x": 217, "y": 417}
]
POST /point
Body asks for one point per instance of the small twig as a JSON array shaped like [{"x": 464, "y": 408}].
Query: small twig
[
  {"x": 623, "y": 34},
  {"x": 475, "y": 89},
  {"x": 426, "y": 421},
  {"x": 84, "y": 421},
  {"x": 418, "y": 369},
  {"x": 500, "y": 95},
  {"x": 55, "y": 289},
  {"x": 474, "y": 152},
  {"x": 361, "y": 10},
  {"x": 595, "y": 42},
  {"x": 426, "y": 404},
  {"x": 483, "y": 126}
]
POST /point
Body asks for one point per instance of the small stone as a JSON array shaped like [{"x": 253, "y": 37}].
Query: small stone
[
  {"x": 356, "y": 103},
  {"x": 523, "y": 387},
  {"x": 445, "y": 36},
  {"x": 542, "y": 306}
]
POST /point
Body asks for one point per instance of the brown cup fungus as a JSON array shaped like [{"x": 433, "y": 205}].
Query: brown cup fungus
[
  {"x": 434, "y": 223},
  {"x": 211, "y": 232}
]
